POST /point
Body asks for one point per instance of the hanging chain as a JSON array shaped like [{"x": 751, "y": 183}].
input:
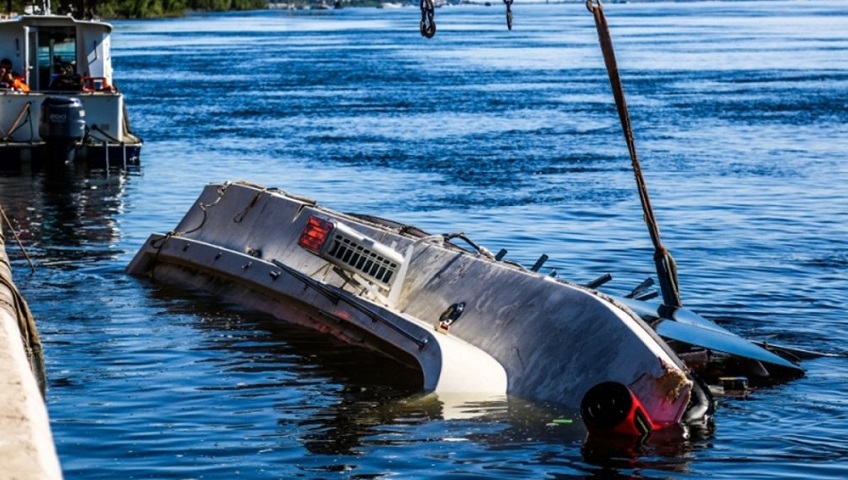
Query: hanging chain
[
  {"x": 428, "y": 23},
  {"x": 428, "y": 13}
]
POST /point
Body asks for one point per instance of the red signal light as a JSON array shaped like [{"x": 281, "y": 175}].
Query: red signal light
[{"x": 315, "y": 233}]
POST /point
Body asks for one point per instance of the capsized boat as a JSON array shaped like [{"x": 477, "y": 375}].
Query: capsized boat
[
  {"x": 470, "y": 321},
  {"x": 58, "y": 100}
]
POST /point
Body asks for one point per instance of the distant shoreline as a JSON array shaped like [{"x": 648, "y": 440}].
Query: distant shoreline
[
  {"x": 318, "y": 5},
  {"x": 110, "y": 12}
]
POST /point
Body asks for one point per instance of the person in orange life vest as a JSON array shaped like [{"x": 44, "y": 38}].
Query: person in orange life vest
[{"x": 9, "y": 78}]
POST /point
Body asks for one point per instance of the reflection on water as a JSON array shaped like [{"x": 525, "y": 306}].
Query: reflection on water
[
  {"x": 64, "y": 215},
  {"x": 510, "y": 137},
  {"x": 357, "y": 401}
]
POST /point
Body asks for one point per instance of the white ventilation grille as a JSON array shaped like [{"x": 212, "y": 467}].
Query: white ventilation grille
[{"x": 352, "y": 251}]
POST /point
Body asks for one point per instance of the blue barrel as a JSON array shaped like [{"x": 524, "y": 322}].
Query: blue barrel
[{"x": 62, "y": 120}]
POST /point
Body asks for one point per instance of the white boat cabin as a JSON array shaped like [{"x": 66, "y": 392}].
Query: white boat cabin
[
  {"x": 59, "y": 100},
  {"x": 46, "y": 48}
]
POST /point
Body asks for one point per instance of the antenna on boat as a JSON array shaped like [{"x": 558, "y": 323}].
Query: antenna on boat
[{"x": 666, "y": 268}]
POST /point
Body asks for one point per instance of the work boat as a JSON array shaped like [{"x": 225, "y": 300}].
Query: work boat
[
  {"x": 470, "y": 321},
  {"x": 60, "y": 103}
]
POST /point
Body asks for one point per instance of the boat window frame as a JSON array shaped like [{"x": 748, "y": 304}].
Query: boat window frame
[{"x": 55, "y": 47}]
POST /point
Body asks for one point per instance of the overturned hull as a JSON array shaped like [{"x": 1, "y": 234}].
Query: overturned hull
[{"x": 471, "y": 323}]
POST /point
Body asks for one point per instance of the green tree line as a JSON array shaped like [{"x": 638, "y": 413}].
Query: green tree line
[{"x": 137, "y": 8}]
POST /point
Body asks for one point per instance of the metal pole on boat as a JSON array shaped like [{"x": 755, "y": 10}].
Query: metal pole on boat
[{"x": 666, "y": 268}]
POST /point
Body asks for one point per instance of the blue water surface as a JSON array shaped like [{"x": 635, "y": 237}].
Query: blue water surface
[{"x": 740, "y": 114}]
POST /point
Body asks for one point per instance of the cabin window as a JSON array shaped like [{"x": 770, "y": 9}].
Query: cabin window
[{"x": 57, "y": 54}]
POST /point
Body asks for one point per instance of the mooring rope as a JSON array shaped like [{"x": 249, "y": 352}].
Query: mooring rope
[
  {"x": 17, "y": 239},
  {"x": 25, "y": 111},
  {"x": 105, "y": 134},
  {"x": 159, "y": 243}
]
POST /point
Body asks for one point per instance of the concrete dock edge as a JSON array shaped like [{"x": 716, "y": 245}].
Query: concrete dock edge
[{"x": 27, "y": 450}]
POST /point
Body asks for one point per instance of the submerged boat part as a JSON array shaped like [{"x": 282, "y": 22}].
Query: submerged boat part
[
  {"x": 468, "y": 322},
  {"x": 684, "y": 325},
  {"x": 471, "y": 322}
]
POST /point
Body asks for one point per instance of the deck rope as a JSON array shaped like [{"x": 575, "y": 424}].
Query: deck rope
[{"x": 25, "y": 112}]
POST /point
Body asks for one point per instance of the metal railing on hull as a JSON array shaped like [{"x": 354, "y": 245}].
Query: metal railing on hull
[{"x": 107, "y": 145}]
